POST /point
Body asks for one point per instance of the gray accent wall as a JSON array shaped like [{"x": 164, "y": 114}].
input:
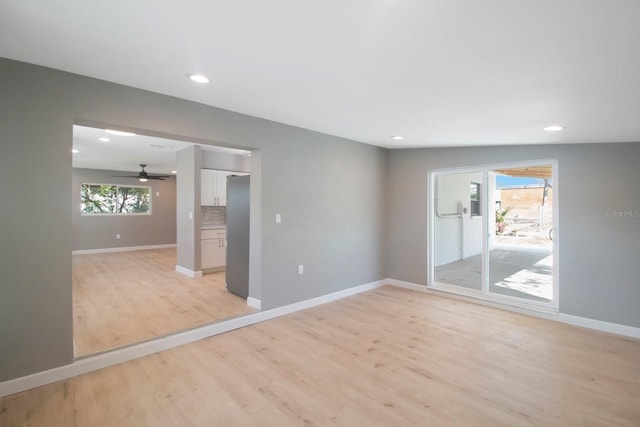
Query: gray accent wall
[
  {"x": 599, "y": 244},
  {"x": 188, "y": 165},
  {"x": 99, "y": 231},
  {"x": 225, "y": 162},
  {"x": 332, "y": 196},
  {"x": 351, "y": 213},
  {"x": 330, "y": 191}
]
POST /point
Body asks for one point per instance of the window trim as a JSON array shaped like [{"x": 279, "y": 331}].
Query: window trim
[
  {"x": 118, "y": 186},
  {"x": 474, "y": 213}
]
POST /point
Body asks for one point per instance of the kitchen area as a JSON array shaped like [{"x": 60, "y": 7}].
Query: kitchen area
[
  {"x": 224, "y": 227},
  {"x": 213, "y": 208}
]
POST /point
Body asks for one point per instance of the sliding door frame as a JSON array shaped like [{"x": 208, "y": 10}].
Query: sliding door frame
[{"x": 484, "y": 294}]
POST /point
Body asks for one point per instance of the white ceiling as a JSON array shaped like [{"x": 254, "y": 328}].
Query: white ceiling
[
  {"x": 126, "y": 153},
  {"x": 438, "y": 72}
]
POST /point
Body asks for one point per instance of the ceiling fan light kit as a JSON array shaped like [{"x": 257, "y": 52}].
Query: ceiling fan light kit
[{"x": 143, "y": 176}]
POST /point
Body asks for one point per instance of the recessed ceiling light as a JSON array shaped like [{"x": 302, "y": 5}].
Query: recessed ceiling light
[
  {"x": 119, "y": 132},
  {"x": 174, "y": 171},
  {"x": 397, "y": 137},
  {"x": 74, "y": 151},
  {"x": 104, "y": 139},
  {"x": 198, "y": 78},
  {"x": 553, "y": 128}
]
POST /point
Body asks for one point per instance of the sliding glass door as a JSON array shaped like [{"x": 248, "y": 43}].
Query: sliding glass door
[
  {"x": 457, "y": 232},
  {"x": 492, "y": 232}
]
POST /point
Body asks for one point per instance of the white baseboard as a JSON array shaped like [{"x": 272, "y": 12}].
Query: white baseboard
[
  {"x": 585, "y": 322},
  {"x": 407, "y": 285},
  {"x": 187, "y": 272},
  {"x": 613, "y": 328},
  {"x": 255, "y": 303},
  {"x": 92, "y": 363},
  {"x": 292, "y": 308},
  {"x": 110, "y": 358},
  {"x": 121, "y": 249}
]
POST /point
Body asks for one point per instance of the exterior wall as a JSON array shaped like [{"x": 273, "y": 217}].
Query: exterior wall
[
  {"x": 524, "y": 197},
  {"x": 456, "y": 237},
  {"x": 526, "y": 205}
]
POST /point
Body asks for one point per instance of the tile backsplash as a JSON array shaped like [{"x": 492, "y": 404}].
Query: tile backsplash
[{"x": 214, "y": 215}]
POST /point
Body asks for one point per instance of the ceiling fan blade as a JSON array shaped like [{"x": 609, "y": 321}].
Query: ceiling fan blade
[{"x": 144, "y": 175}]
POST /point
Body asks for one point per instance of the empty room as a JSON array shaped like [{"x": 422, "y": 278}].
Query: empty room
[
  {"x": 325, "y": 213},
  {"x": 127, "y": 284}
]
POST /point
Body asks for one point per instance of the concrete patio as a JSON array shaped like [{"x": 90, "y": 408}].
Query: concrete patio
[{"x": 517, "y": 271}]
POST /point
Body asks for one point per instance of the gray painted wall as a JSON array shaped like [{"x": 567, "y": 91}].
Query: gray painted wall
[
  {"x": 599, "y": 272},
  {"x": 330, "y": 191},
  {"x": 351, "y": 213},
  {"x": 99, "y": 232},
  {"x": 225, "y": 161},
  {"x": 188, "y": 165},
  {"x": 332, "y": 197}
]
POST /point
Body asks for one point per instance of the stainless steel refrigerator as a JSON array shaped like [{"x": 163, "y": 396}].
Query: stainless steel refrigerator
[{"x": 238, "y": 235}]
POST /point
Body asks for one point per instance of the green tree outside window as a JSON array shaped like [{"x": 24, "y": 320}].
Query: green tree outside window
[{"x": 114, "y": 199}]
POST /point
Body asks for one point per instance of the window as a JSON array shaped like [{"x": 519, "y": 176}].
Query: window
[
  {"x": 108, "y": 199},
  {"x": 475, "y": 199}
]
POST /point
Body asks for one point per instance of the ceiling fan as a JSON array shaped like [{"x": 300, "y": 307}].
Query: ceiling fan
[{"x": 143, "y": 176}]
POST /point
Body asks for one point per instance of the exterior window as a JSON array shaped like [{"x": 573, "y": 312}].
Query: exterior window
[
  {"x": 108, "y": 199},
  {"x": 475, "y": 199}
]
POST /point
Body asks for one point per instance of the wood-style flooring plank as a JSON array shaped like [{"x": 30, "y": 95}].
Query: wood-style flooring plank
[
  {"x": 386, "y": 357},
  {"x": 121, "y": 298}
]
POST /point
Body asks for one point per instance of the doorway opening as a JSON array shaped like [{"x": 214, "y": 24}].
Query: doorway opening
[
  {"x": 126, "y": 288},
  {"x": 493, "y": 233}
]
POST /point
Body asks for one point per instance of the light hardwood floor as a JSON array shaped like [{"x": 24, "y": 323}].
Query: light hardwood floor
[
  {"x": 121, "y": 298},
  {"x": 386, "y": 357}
]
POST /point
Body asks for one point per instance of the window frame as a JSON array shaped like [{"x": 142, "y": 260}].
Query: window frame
[
  {"x": 117, "y": 201},
  {"x": 475, "y": 207}
]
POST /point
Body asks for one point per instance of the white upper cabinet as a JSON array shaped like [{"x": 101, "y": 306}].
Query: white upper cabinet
[
  {"x": 221, "y": 187},
  {"x": 206, "y": 187},
  {"x": 213, "y": 187}
]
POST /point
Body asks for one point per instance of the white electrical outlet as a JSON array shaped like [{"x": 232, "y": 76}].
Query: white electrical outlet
[
  {"x": 278, "y": 219},
  {"x": 118, "y": 236},
  {"x": 300, "y": 270}
]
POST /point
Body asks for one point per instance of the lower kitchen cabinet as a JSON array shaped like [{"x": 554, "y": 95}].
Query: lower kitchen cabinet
[{"x": 213, "y": 248}]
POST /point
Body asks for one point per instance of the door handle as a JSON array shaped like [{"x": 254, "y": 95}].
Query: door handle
[{"x": 551, "y": 234}]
